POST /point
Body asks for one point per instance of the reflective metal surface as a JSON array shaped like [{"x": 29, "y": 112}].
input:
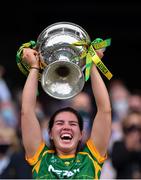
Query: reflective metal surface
[
  {"x": 62, "y": 85},
  {"x": 63, "y": 77}
]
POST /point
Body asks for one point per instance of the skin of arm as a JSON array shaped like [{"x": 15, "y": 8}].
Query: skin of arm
[
  {"x": 31, "y": 132},
  {"x": 101, "y": 129}
]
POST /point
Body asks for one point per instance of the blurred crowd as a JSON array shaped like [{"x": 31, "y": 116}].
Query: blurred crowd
[{"x": 124, "y": 153}]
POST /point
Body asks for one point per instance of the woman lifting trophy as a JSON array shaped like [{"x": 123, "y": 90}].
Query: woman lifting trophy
[{"x": 62, "y": 59}]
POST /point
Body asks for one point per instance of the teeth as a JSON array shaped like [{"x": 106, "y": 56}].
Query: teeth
[{"x": 66, "y": 136}]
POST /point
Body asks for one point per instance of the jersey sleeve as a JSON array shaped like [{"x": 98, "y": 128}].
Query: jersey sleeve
[
  {"x": 33, "y": 160},
  {"x": 90, "y": 148}
]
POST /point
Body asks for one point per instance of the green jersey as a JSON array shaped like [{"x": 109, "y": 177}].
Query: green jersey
[{"x": 86, "y": 164}]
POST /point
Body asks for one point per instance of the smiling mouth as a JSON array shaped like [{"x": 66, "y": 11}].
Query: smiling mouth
[{"x": 66, "y": 137}]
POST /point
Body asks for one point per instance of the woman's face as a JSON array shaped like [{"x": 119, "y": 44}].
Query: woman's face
[{"x": 66, "y": 133}]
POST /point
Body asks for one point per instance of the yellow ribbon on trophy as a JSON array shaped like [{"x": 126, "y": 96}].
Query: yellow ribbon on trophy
[{"x": 91, "y": 56}]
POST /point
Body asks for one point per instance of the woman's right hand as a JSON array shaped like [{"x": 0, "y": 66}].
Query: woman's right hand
[{"x": 31, "y": 57}]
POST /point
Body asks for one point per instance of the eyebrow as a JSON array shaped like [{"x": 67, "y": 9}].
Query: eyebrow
[
  {"x": 59, "y": 120},
  {"x": 70, "y": 121},
  {"x": 73, "y": 122}
]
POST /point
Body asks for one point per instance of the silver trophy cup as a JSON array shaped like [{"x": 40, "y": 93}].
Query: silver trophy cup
[{"x": 63, "y": 76}]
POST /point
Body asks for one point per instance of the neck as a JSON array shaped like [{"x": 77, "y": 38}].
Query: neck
[{"x": 65, "y": 153}]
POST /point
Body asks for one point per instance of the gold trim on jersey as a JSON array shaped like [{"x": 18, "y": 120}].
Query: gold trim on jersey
[
  {"x": 95, "y": 164},
  {"x": 95, "y": 152},
  {"x": 37, "y": 166},
  {"x": 48, "y": 151},
  {"x": 34, "y": 159},
  {"x": 66, "y": 156}
]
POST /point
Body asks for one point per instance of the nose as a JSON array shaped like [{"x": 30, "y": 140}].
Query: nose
[{"x": 66, "y": 126}]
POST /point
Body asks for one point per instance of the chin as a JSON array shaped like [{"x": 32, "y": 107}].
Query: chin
[{"x": 67, "y": 147}]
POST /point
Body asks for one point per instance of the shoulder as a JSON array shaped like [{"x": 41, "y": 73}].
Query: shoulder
[
  {"x": 41, "y": 151},
  {"x": 90, "y": 150}
]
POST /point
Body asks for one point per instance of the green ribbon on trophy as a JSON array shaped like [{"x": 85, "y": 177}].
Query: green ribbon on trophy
[
  {"x": 24, "y": 68},
  {"x": 91, "y": 56},
  {"x": 21, "y": 64}
]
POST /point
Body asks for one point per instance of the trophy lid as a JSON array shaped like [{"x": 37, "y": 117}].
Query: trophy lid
[{"x": 63, "y": 28}]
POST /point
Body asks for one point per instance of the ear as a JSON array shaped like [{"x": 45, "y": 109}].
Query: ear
[
  {"x": 50, "y": 135},
  {"x": 81, "y": 135}
]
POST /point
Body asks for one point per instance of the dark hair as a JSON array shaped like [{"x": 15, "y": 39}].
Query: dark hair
[
  {"x": 127, "y": 128},
  {"x": 66, "y": 109}
]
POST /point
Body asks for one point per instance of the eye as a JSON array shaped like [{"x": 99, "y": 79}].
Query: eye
[
  {"x": 73, "y": 124},
  {"x": 59, "y": 123}
]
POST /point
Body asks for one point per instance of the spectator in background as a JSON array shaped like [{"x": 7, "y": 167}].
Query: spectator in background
[
  {"x": 135, "y": 101},
  {"x": 126, "y": 153},
  {"x": 7, "y": 106},
  {"x": 123, "y": 103},
  {"x": 108, "y": 171},
  {"x": 119, "y": 96},
  {"x": 12, "y": 160}
]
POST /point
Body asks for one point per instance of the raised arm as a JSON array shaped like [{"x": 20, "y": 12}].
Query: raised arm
[
  {"x": 101, "y": 129},
  {"x": 31, "y": 132}
]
